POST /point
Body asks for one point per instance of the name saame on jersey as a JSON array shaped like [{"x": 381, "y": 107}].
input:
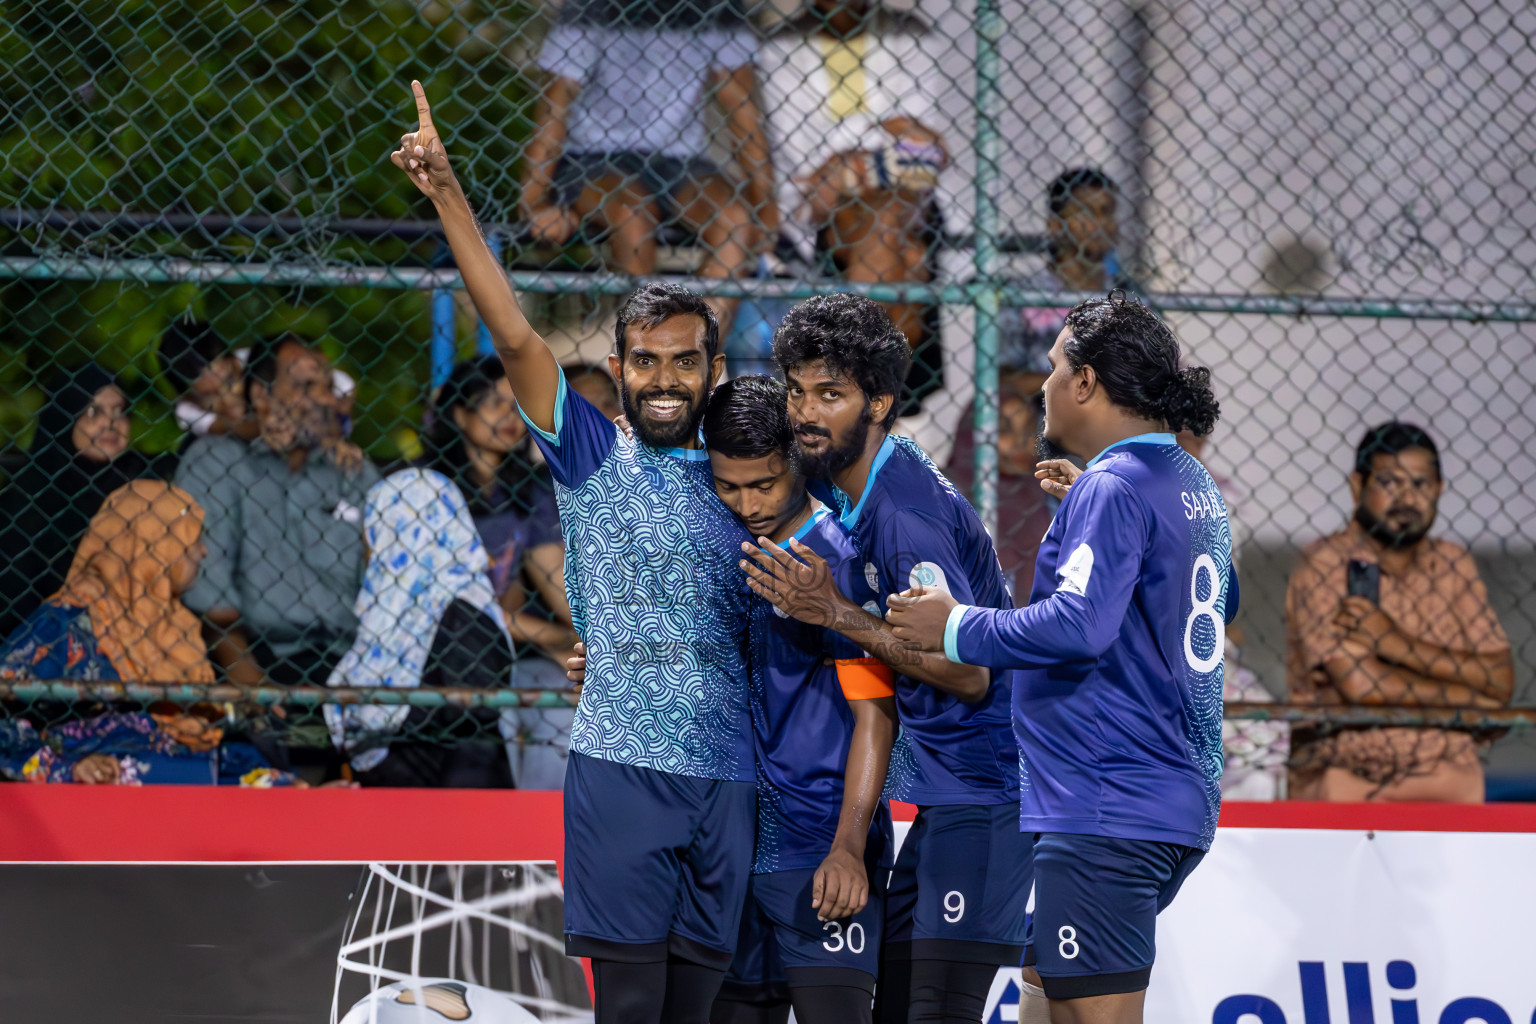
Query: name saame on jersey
[
  {"x": 656, "y": 593},
  {"x": 1117, "y": 707}
]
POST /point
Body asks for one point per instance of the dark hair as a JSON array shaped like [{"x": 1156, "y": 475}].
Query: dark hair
[
  {"x": 521, "y": 481},
  {"x": 1136, "y": 358},
  {"x": 1391, "y": 438},
  {"x": 261, "y": 361},
  {"x": 1060, "y": 190},
  {"x": 658, "y": 302},
  {"x": 581, "y": 371},
  {"x": 748, "y": 418},
  {"x": 186, "y": 349},
  {"x": 854, "y": 336},
  {"x": 69, "y": 393}
]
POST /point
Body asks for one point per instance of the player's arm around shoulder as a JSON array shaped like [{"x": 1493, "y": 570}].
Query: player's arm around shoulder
[
  {"x": 1103, "y": 528},
  {"x": 531, "y": 367}
]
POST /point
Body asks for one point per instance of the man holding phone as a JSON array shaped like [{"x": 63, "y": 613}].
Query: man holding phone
[{"x": 1382, "y": 614}]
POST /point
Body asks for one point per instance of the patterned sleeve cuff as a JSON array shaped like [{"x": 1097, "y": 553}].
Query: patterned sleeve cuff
[{"x": 952, "y": 632}]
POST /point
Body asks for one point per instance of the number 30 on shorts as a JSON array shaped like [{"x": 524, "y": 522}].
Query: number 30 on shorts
[{"x": 852, "y": 939}]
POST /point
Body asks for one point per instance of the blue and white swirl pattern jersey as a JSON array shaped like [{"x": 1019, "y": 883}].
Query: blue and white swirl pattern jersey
[{"x": 657, "y": 595}]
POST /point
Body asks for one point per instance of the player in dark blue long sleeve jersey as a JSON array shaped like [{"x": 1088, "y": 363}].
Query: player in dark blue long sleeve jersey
[
  {"x": 956, "y": 904},
  {"x": 660, "y": 793},
  {"x": 1117, "y": 703}
]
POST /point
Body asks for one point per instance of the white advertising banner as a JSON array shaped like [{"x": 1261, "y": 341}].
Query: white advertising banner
[{"x": 1312, "y": 926}]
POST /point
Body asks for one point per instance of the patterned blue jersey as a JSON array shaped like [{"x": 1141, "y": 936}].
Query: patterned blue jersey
[
  {"x": 1118, "y": 704},
  {"x": 801, "y": 718},
  {"x": 657, "y": 595},
  {"x": 912, "y": 527}
]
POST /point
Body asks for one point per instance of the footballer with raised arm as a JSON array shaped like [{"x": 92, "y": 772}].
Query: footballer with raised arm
[{"x": 660, "y": 791}]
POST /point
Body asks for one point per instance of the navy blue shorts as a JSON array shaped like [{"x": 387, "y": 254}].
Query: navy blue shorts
[
  {"x": 961, "y": 886},
  {"x": 783, "y": 945},
  {"x": 658, "y": 175},
  {"x": 655, "y": 863},
  {"x": 1096, "y": 906}
]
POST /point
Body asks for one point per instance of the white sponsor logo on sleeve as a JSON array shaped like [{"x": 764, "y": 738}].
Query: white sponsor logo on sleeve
[
  {"x": 1073, "y": 577},
  {"x": 926, "y": 574}
]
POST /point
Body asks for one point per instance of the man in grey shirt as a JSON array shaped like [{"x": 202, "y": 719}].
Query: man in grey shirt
[
  {"x": 284, "y": 525},
  {"x": 620, "y": 139}
]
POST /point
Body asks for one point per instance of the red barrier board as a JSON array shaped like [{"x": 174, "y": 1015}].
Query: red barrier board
[{"x": 41, "y": 824}]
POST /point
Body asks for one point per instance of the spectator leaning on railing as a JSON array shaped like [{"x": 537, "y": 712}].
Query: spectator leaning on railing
[
  {"x": 851, "y": 93},
  {"x": 284, "y": 525},
  {"x": 1083, "y": 230},
  {"x": 1382, "y": 614},
  {"x": 619, "y": 135}
]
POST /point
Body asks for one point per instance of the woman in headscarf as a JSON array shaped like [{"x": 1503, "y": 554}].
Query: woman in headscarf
[
  {"x": 119, "y": 615},
  {"x": 427, "y": 616},
  {"x": 481, "y": 443},
  {"x": 78, "y": 456}
]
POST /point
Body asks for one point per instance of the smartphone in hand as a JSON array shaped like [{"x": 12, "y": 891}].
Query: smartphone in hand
[{"x": 1364, "y": 580}]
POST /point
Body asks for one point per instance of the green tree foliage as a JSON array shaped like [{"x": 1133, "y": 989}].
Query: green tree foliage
[{"x": 239, "y": 108}]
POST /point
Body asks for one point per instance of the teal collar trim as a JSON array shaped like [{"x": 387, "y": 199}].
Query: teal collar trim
[
  {"x": 1138, "y": 439},
  {"x": 688, "y": 454},
  {"x": 810, "y": 524},
  {"x": 851, "y": 517}
]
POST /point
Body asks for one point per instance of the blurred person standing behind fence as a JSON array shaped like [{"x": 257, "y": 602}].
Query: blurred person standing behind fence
[
  {"x": 1382, "y": 614},
  {"x": 78, "y": 456},
  {"x": 1024, "y": 509},
  {"x": 1082, "y": 229},
  {"x": 620, "y": 137},
  {"x": 209, "y": 381},
  {"x": 481, "y": 443},
  {"x": 284, "y": 527},
  {"x": 852, "y": 93}
]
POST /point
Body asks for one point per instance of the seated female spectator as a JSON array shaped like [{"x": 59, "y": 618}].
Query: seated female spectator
[
  {"x": 481, "y": 444},
  {"x": 78, "y": 456},
  {"x": 119, "y": 615},
  {"x": 160, "y": 747},
  {"x": 427, "y": 616}
]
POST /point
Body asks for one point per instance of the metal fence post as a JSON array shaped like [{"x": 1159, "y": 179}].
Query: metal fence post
[{"x": 986, "y": 295}]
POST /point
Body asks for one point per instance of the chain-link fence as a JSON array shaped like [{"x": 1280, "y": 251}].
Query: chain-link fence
[{"x": 212, "y": 276}]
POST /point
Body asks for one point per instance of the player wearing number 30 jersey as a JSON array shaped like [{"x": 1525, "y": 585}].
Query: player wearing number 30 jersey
[{"x": 1117, "y": 704}]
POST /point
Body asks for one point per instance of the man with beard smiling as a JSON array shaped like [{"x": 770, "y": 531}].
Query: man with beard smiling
[
  {"x": 660, "y": 800},
  {"x": 956, "y": 905},
  {"x": 1382, "y": 613}
]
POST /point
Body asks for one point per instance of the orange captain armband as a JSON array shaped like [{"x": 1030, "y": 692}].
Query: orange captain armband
[{"x": 863, "y": 678}]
